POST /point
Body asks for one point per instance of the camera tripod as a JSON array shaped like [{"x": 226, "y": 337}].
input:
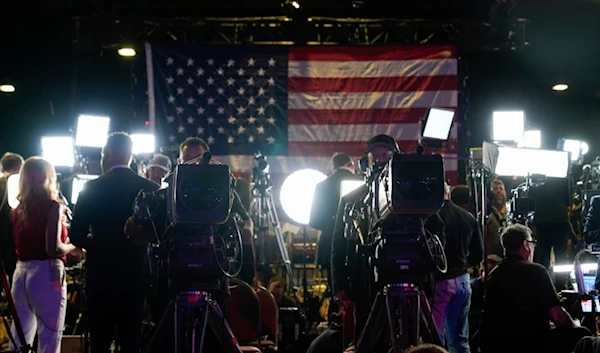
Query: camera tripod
[
  {"x": 406, "y": 308},
  {"x": 264, "y": 212},
  {"x": 191, "y": 312}
]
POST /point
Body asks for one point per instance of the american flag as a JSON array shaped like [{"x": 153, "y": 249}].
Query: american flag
[{"x": 299, "y": 105}]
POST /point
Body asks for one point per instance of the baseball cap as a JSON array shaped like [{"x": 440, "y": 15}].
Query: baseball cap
[
  {"x": 340, "y": 159},
  {"x": 160, "y": 161},
  {"x": 383, "y": 140}
]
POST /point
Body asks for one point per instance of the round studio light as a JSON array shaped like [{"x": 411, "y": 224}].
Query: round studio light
[
  {"x": 560, "y": 87},
  {"x": 297, "y": 194},
  {"x": 127, "y": 52},
  {"x": 7, "y": 88}
]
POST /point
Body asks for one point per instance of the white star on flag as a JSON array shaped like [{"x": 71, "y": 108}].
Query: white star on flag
[
  {"x": 231, "y": 101},
  {"x": 241, "y": 91},
  {"x": 171, "y": 99},
  {"x": 179, "y": 71},
  {"x": 179, "y": 110},
  {"x": 251, "y": 62},
  {"x": 261, "y": 111},
  {"x": 271, "y": 101},
  {"x": 200, "y": 110},
  {"x": 169, "y": 61},
  {"x": 230, "y": 62},
  {"x": 250, "y": 139},
  {"x": 170, "y": 119},
  {"x": 271, "y": 120},
  {"x": 170, "y": 80},
  {"x": 241, "y": 72},
  {"x": 230, "y": 139},
  {"x": 172, "y": 138},
  {"x": 210, "y": 62},
  {"x": 220, "y": 90},
  {"x": 221, "y": 130},
  {"x": 181, "y": 129},
  {"x": 251, "y": 120},
  {"x": 190, "y": 101},
  {"x": 211, "y": 120},
  {"x": 190, "y": 120},
  {"x": 251, "y": 101},
  {"x": 190, "y": 81},
  {"x": 210, "y": 140},
  {"x": 220, "y": 110},
  {"x": 220, "y": 71},
  {"x": 230, "y": 81},
  {"x": 261, "y": 91},
  {"x": 211, "y": 100},
  {"x": 271, "y": 62},
  {"x": 271, "y": 81},
  {"x": 231, "y": 119},
  {"x": 241, "y": 130},
  {"x": 200, "y": 130},
  {"x": 241, "y": 110},
  {"x": 190, "y": 62},
  {"x": 180, "y": 90},
  {"x": 261, "y": 72},
  {"x": 250, "y": 81},
  {"x": 210, "y": 81},
  {"x": 201, "y": 90},
  {"x": 200, "y": 72},
  {"x": 271, "y": 140},
  {"x": 260, "y": 130}
]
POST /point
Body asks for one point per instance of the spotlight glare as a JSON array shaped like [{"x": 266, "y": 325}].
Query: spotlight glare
[
  {"x": 78, "y": 182},
  {"x": 295, "y": 4},
  {"x": 12, "y": 190},
  {"x": 532, "y": 139},
  {"x": 560, "y": 87},
  {"x": 577, "y": 148},
  {"x": 7, "y": 88},
  {"x": 508, "y": 126},
  {"x": 297, "y": 194},
  {"x": 58, "y": 151},
  {"x": 127, "y": 52},
  {"x": 143, "y": 143},
  {"x": 92, "y": 131}
]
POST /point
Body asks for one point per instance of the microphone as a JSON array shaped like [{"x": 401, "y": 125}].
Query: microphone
[{"x": 206, "y": 157}]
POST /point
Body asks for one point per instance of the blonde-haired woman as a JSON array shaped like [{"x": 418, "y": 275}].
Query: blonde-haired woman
[{"x": 39, "y": 288}]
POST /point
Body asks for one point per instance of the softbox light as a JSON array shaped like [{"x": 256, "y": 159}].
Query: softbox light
[
  {"x": 508, "y": 126},
  {"x": 92, "y": 131},
  {"x": 438, "y": 124},
  {"x": 521, "y": 162},
  {"x": 58, "y": 151}
]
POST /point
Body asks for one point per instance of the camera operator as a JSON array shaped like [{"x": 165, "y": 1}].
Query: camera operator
[
  {"x": 451, "y": 301},
  {"x": 115, "y": 273},
  {"x": 190, "y": 150},
  {"x": 351, "y": 273},
  {"x": 519, "y": 300},
  {"x": 324, "y": 209},
  {"x": 591, "y": 229},
  {"x": 497, "y": 218}
]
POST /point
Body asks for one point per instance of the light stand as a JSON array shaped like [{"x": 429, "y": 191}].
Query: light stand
[{"x": 478, "y": 180}]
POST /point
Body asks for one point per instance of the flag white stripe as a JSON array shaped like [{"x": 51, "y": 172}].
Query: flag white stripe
[
  {"x": 369, "y": 69},
  {"x": 373, "y": 100},
  {"x": 287, "y": 165},
  {"x": 343, "y": 133}
]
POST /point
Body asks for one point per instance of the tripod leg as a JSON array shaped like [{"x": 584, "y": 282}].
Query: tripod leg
[
  {"x": 373, "y": 327},
  {"x": 221, "y": 328},
  {"x": 427, "y": 319},
  {"x": 161, "y": 330}
]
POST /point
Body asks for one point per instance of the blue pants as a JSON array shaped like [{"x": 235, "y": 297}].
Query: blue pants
[{"x": 451, "y": 303}]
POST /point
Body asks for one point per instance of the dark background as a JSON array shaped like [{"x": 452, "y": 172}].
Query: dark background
[{"x": 56, "y": 80}]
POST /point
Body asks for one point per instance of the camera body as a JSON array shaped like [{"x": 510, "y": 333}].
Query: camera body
[
  {"x": 198, "y": 202},
  {"x": 406, "y": 191},
  {"x": 261, "y": 178},
  {"x": 521, "y": 207}
]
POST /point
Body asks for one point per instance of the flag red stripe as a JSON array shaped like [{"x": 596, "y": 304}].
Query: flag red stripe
[
  {"x": 357, "y": 116},
  {"x": 353, "y": 148},
  {"x": 373, "y": 84},
  {"x": 371, "y": 53}
]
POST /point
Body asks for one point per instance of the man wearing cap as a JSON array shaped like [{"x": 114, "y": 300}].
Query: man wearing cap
[
  {"x": 158, "y": 167},
  {"x": 324, "y": 208},
  {"x": 349, "y": 272}
]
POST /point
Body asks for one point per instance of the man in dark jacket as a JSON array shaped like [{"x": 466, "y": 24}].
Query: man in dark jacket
[
  {"x": 115, "y": 274},
  {"x": 324, "y": 208},
  {"x": 11, "y": 164}
]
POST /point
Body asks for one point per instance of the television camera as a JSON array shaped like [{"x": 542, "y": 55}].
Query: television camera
[
  {"x": 521, "y": 207},
  {"x": 403, "y": 193},
  {"x": 198, "y": 201}
]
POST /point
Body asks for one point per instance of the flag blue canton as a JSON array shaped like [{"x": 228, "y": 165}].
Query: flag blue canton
[{"x": 235, "y": 98}]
